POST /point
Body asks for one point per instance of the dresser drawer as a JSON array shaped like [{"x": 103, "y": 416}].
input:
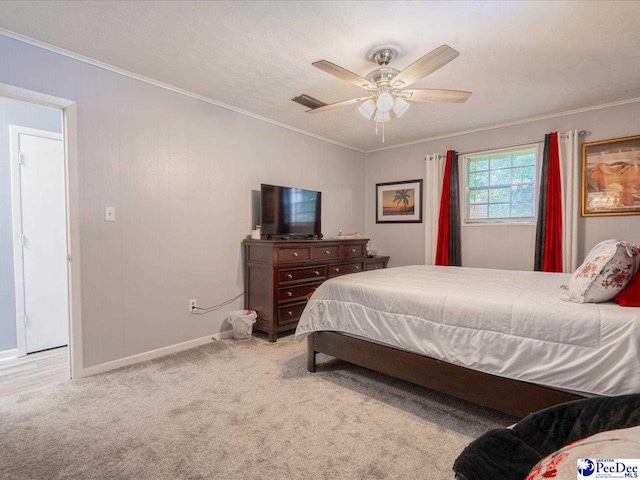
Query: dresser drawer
[
  {"x": 294, "y": 254},
  {"x": 290, "y": 313},
  {"x": 296, "y": 293},
  {"x": 335, "y": 270},
  {"x": 349, "y": 251},
  {"x": 375, "y": 265},
  {"x": 302, "y": 274},
  {"x": 326, "y": 253}
]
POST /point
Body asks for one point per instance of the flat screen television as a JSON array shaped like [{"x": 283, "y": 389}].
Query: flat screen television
[{"x": 290, "y": 212}]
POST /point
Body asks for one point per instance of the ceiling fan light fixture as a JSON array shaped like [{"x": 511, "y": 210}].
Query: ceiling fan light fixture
[
  {"x": 382, "y": 117},
  {"x": 367, "y": 108},
  {"x": 385, "y": 85},
  {"x": 400, "y": 106},
  {"x": 385, "y": 102}
]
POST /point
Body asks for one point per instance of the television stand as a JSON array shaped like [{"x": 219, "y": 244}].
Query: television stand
[{"x": 279, "y": 274}]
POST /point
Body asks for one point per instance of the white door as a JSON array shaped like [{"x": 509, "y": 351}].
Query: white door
[{"x": 40, "y": 239}]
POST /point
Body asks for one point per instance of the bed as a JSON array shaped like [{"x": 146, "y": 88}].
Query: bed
[{"x": 503, "y": 339}]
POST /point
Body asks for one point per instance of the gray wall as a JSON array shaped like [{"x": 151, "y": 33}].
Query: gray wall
[
  {"x": 13, "y": 112},
  {"x": 507, "y": 247},
  {"x": 180, "y": 173}
]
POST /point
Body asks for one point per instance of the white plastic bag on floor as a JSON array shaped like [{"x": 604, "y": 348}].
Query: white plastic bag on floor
[{"x": 242, "y": 321}]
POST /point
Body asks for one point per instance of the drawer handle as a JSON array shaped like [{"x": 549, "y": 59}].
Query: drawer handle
[
  {"x": 327, "y": 252},
  {"x": 375, "y": 267},
  {"x": 316, "y": 272},
  {"x": 353, "y": 250},
  {"x": 290, "y": 313},
  {"x": 289, "y": 294},
  {"x": 291, "y": 276},
  {"x": 295, "y": 254},
  {"x": 337, "y": 269},
  {"x": 357, "y": 267}
]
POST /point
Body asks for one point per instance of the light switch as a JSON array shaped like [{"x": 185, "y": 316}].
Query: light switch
[{"x": 109, "y": 214}]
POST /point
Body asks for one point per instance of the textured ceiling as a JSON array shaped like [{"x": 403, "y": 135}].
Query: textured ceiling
[{"x": 521, "y": 59}]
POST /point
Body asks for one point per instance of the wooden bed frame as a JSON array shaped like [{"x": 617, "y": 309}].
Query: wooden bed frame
[{"x": 510, "y": 396}]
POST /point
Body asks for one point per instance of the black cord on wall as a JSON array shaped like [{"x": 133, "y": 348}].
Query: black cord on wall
[{"x": 213, "y": 308}]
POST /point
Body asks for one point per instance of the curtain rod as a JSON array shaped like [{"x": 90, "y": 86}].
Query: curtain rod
[{"x": 581, "y": 133}]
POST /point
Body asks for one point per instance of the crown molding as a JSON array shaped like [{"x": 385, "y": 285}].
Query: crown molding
[
  {"x": 151, "y": 81},
  {"x": 510, "y": 124}
]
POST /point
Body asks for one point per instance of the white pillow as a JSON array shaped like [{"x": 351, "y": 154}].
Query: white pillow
[
  {"x": 604, "y": 273},
  {"x": 563, "y": 464}
]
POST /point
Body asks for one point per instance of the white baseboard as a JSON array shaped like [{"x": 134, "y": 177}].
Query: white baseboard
[
  {"x": 6, "y": 354},
  {"x": 150, "y": 355}
]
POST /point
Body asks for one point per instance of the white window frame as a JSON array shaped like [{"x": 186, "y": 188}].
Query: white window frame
[{"x": 528, "y": 221}]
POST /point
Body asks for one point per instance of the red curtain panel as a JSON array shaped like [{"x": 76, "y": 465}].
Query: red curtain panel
[
  {"x": 552, "y": 257},
  {"x": 548, "y": 253},
  {"x": 442, "y": 248}
]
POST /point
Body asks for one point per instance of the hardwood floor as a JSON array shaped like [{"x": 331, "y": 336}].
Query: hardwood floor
[{"x": 34, "y": 372}]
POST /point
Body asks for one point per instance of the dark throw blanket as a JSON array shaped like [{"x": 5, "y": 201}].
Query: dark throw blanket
[{"x": 510, "y": 454}]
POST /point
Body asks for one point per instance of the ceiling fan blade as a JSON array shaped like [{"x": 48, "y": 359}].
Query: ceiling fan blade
[
  {"x": 344, "y": 103},
  {"x": 424, "y": 66},
  {"x": 343, "y": 74},
  {"x": 435, "y": 95}
]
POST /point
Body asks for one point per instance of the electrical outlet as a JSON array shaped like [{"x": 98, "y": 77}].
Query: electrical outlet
[{"x": 192, "y": 304}]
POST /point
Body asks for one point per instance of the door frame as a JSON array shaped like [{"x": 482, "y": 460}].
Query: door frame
[
  {"x": 69, "y": 132},
  {"x": 16, "y": 210}
]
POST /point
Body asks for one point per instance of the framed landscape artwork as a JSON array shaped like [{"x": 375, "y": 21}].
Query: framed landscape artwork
[
  {"x": 399, "y": 202},
  {"x": 611, "y": 177}
]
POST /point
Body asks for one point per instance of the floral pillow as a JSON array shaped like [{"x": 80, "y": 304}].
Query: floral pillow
[
  {"x": 604, "y": 273},
  {"x": 580, "y": 457}
]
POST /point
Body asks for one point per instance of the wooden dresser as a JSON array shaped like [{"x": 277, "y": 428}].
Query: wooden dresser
[{"x": 278, "y": 275}]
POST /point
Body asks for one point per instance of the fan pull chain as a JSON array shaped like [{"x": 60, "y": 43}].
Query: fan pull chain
[
  {"x": 383, "y": 133},
  {"x": 376, "y": 129}
]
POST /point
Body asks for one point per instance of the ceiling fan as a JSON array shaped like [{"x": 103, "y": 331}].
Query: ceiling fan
[{"x": 386, "y": 86}]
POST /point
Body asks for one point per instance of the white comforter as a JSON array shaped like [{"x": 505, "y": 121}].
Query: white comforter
[{"x": 507, "y": 323}]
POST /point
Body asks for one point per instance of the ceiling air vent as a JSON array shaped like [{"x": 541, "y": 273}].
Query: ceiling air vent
[{"x": 308, "y": 101}]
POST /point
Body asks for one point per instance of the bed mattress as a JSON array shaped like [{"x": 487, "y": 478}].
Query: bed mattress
[{"x": 508, "y": 323}]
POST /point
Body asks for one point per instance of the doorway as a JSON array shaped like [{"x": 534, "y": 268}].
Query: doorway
[
  {"x": 33, "y": 217},
  {"x": 39, "y": 239}
]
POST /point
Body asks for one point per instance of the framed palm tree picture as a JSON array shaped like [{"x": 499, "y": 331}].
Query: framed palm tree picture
[{"x": 399, "y": 202}]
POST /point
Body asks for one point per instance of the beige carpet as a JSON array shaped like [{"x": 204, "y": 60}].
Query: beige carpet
[{"x": 232, "y": 410}]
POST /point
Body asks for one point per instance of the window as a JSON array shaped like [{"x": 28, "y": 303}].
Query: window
[{"x": 501, "y": 185}]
